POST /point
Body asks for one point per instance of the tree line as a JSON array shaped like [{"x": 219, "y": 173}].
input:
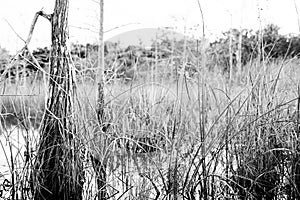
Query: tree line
[{"x": 267, "y": 44}]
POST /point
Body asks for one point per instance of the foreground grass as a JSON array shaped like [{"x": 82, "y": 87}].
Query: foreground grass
[{"x": 183, "y": 139}]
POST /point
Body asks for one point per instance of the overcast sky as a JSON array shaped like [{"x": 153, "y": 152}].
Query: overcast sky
[{"x": 219, "y": 15}]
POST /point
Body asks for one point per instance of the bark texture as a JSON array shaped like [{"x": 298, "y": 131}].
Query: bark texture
[{"x": 58, "y": 167}]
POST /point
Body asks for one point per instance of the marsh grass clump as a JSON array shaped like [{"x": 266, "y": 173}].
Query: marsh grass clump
[
  {"x": 151, "y": 145},
  {"x": 264, "y": 141}
]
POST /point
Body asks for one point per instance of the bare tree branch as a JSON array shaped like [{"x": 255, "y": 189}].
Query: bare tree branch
[
  {"x": 40, "y": 13},
  {"x": 27, "y": 41},
  {"x": 36, "y": 16}
]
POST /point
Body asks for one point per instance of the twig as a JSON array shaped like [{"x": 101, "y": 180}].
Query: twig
[
  {"x": 14, "y": 30},
  {"x": 117, "y": 27},
  {"x": 97, "y": 2},
  {"x": 107, "y": 31},
  {"x": 84, "y": 28}
]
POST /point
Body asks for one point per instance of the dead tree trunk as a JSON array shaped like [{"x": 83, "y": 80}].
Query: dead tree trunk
[
  {"x": 58, "y": 168},
  {"x": 98, "y": 163}
]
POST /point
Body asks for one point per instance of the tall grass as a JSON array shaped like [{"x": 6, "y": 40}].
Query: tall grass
[{"x": 159, "y": 142}]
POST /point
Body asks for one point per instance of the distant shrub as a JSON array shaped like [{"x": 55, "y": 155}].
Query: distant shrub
[{"x": 268, "y": 44}]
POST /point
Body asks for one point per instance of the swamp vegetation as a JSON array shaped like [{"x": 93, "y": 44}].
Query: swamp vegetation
[{"x": 179, "y": 121}]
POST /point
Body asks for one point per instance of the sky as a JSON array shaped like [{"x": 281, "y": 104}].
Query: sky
[{"x": 124, "y": 15}]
